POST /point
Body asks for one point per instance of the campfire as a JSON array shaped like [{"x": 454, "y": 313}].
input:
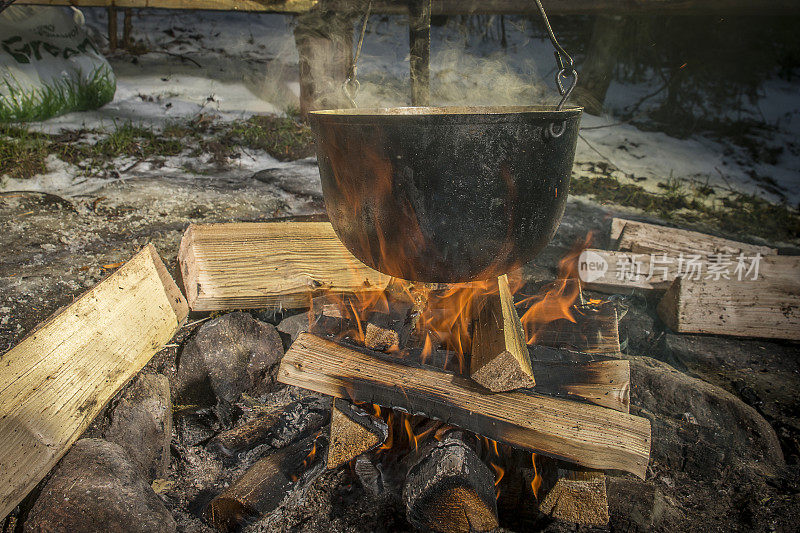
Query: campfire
[{"x": 456, "y": 396}]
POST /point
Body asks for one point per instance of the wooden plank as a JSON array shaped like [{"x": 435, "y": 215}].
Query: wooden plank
[
  {"x": 267, "y": 6},
  {"x": 585, "y": 434},
  {"x": 264, "y": 264},
  {"x": 500, "y": 359},
  {"x": 458, "y": 7},
  {"x": 59, "y": 377},
  {"x": 768, "y": 308},
  {"x": 626, "y": 271},
  {"x": 641, "y": 237}
]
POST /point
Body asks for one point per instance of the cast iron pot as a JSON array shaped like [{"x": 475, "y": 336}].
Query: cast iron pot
[{"x": 446, "y": 194}]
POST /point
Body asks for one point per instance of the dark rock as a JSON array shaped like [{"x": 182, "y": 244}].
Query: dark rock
[
  {"x": 630, "y": 504},
  {"x": 96, "y": 487},
  {"x": 721, "y": 430},
  {"x": 294, "y": 325},
  {"x": 227, "y": 356},
  {"x": 141, "y": 423}
]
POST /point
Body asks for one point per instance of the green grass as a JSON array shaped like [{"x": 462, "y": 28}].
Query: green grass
[
  {"x": 735, "y": 214},
  {"x": 284, "y": 138},
  {"x": 20, "y": 105}
]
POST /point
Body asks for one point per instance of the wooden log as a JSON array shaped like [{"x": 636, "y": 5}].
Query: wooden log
[
  {"x": 448, "y": 489},
  {"x": 56, "y": 380},
  {"x": 353, "y": 432},
  {"x": 127, "y": 29},
  {"x": 579, "y": 496},
  {"x": 585, "y": 434},
  {"x": 232, "y": 442},
  {"x": 112, "y": 28},
  {"x": 604, "y": 382},
  {"x": 262, "y": 487},
  {"x": 595, "y": 330},
  {"x": 500, "y": 360},
  {"x": 767, "y": 308},
  {"x": 252, "y": 265},
  {"x": 640, "y": 237},
  {"x": 625, "y": 271},
  {"x": 419, "y": 37}
]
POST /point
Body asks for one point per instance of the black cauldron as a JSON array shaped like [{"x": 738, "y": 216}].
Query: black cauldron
[{"x": 446, "y": 194}]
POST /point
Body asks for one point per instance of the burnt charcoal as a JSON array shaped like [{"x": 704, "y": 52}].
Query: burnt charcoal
[
  {"x": 195, "y": 428},
  {"x": 141, "y": 422},
  {"x": 229, "y": 355},
  {"x": 300, "y": 419},
  {"x": 96, "y": 487}
]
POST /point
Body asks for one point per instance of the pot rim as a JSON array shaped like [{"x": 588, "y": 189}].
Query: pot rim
[{"x": 448, "y": 113}]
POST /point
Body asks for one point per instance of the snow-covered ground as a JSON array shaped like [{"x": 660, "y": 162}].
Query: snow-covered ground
[{"x": 237, "y": 64}]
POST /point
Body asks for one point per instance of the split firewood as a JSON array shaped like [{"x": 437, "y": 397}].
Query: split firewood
[
  {"x": 353, "y": 432},
  {"x": 448, "y": 489},
  {"x": 768, "y": 308},
  {"x": 601, "y": 380},
  {"x": 582, "y": 433},
  {"x": 283, "y": 264},
  {"x": 500, "y": 360},
  {"x": 595, "y": 330},
  {"x": 262, "y": 487},
  {"x": 57, "y": 380},
  {"x": 579, "y": 495},
  {"x": 640, "y": 237}
]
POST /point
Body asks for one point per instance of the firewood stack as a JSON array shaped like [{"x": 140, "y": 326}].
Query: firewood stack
[{"x": 463, "y": 423}]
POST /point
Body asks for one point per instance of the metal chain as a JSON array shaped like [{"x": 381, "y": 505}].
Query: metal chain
[
  {"x": 351, "y": 84},
  {"x": 4, "y": 4},
  {"x": 566, "y": 71}
]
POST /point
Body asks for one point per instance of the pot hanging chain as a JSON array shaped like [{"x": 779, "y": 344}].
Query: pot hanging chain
[
  {"x": 351, "y": 85},
  {"x": 566, "y": 70}
]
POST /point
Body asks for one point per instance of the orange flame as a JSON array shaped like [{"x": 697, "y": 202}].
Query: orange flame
[
  {"x": 499, "y": 475},
  {"x": 557, "y": 302},
  {"x": 537, "y": 479}
]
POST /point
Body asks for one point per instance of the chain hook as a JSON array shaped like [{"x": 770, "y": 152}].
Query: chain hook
[{"x": 351, "y": 84}]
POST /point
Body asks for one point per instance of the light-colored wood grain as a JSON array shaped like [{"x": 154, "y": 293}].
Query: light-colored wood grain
[
  {"x": 627, "y": 271},
  {"x": 280, "y": 264},
  {"x": 646, "y": 238},
  {"x": 500, "y": 360},
  {"x": 768, "y": 308},
  {"x": 352, "y": 432},
  {"x": 582, "y": 433},
  {"x": 54, "y": 382},
  {"x": 578, "y": 496}
]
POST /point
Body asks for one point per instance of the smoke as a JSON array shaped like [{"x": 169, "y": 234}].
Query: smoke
[{"x": 469, "y": 64}]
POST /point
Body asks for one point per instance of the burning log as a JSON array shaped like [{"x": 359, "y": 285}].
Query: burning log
[
  {"x": 593, "y": 329},
  {"x": 500, "y": 360},
  {"x": 640, "y": 237},
  {"x": 579, "y": 495},
  {"x": 262, "y": 487},
  {"x": 57, "y": 379},
  {"x": 585, "y": 434},
  {"x": 252, "y": 265},
  {"x": 448, "y": 489},
  {"x": 768, "y": 307},
  {"x": 353, "y": 432},
  {"x": 232, "y": 442}
]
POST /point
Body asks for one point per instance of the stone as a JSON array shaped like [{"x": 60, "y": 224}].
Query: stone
[
  {"x": 141, "y": 422},
  {"x": 97, "y": 488},
  {"x": 229, "y": 355},
  {"x": 294, "y": 325},
  {"x": 721, "y": 431}
]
